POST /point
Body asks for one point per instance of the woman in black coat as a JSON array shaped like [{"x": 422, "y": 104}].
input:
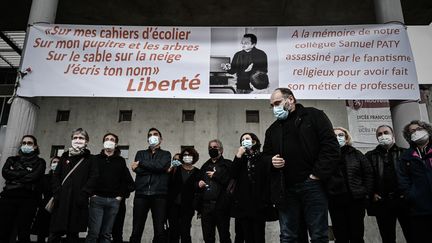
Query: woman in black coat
[
  {"x": 42, "y": 220},
  {"x": 70, "y": 212},
  {"x": 20, "y": 196},
  {"x": 347, "y": 209},
  {"x": 181, "y": 195},
  {"x": 251, "y": 194}
]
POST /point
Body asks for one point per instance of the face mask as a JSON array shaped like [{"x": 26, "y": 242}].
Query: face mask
[
  {"x": 385, "y": 139},
  {"x": 279, "y": 112},
  {"x": 213, "y": 153},
  {"x": 78, "y": 144},
  {"x": 109, "y": 145},
  {"x": 420, "y": 137},
  {"x": 53, "y": 166},
  {"x": 153, "y": 140},
  {"x": 247, "y": 144},
  {"x": 341, "y": 141},
  {"x": 26, "y": 149},
  {"x": 187, "y": 159}
]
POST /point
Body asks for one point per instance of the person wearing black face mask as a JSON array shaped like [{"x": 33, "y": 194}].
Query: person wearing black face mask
[
  {"x": 215, "y": 206},
  {"x": 415, "y": 178},
  {"x": 21, "y": 194}
]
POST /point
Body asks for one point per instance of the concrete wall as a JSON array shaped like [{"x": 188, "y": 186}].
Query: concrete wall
[{"x": 223, "y": 119}]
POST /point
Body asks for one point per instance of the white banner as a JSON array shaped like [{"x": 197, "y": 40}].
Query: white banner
[{"x": 327, "y": 62}]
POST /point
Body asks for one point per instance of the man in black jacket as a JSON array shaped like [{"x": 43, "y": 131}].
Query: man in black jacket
[
  {"x": 215, "y": 206},
  {"x": 151, "y": 188},
  {"x": 114, "y": 182},
  {"x": 304, "y": 152},
  {"x": 388, "y": 202}
]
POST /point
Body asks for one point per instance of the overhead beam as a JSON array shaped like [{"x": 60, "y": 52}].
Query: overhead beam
[{"x": 10, "y": 43}]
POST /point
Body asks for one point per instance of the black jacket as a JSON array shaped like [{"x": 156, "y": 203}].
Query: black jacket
[
  {"x": 218, "y": 183},
  {"x": 252, "y": 188},
  {"x": 358, "y": 172},
  {"x": 378, "y": 157},
  {"x": 187, "y": 190},
  {"x": 114, "y": 178},
  {"x": 23, "y": 174},
  {"x": 151, "y": 174},
  {"x": 70, "y": 212},
  {"x": 316, "y": 137}
]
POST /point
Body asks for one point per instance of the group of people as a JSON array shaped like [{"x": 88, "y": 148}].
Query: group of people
[{"x": 306, "y": 169}]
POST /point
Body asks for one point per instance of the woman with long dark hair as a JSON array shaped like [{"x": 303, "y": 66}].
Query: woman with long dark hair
[{"x": 20, "y": 196}]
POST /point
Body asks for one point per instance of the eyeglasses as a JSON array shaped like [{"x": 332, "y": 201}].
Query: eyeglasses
[
  {"x": 78, "y": 138},
  {"x": 340, "y": 135},
  {"x": 30, "y": 143}
]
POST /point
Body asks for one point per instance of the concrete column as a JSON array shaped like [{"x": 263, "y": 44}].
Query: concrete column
[
  {"x": 402, "y": 111},
  {"x": 23, "y": 113}
]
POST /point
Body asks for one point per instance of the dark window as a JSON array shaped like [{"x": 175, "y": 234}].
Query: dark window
[
  {"x": 124, "y": 151},
  {"x": 57, "y": 150},
  {"x": 188, "y": 115},
  {"x": 4, "y": 110},
  {"x": 252, "y": 116},
  {"x": 62, "y": 116},
  {"x": 125, "y": 115}
]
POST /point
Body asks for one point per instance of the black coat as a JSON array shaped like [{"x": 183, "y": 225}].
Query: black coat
[
  {"x": 151, "y": 174},
  {"x": 42, "y": 220},
  {"x": 252, "y": 190},
  {"x": 316, "y": 138},
  {"x": 70, "y": 213},
  {"x": 358, "y": 171},
  {"x": 187, "y": 190},
  {"x": 23, "y": 174}
]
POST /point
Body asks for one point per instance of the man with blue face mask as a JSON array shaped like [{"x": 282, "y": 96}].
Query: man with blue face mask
[
  {"x": 151, "y": 188},
  {"x": 304, "y": 153}
]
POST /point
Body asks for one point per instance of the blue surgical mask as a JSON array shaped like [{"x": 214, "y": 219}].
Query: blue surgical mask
[
  {"x": 153, "y": 140},
  {"x": 26, "y": 149},
  {"x": 247, "y": 144},
  {"x": 53, "y": 166},
  {"x": 341, "y": 141},
  {"x": 280, "y": 113}
]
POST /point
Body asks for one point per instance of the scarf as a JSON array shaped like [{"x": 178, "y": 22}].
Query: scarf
[
  {"x": 75, "y": 152},
  {"x": 251, "y": 164}
]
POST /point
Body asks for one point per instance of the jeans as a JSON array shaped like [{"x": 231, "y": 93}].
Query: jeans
[
  {"x": 306, "y": 199},
  {"x": 391, "y": 210},
  {"x": 158, "y": 206},
  {"x": 117, "y": 230},
  {"x": 348, "y": 220},
  {"x": 180, "y": 222},
  {"x": 252, "y": 229},
  {"x": 102, "y": 213}
]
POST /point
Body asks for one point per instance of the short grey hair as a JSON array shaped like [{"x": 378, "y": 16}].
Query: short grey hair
[
  {"x": 81, "y": 132},
  {"x": 218, "y": 142}
]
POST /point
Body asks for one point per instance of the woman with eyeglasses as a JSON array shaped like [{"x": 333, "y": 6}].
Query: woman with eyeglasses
[
  {"x": 347, "y": 208},
  {"x": 181, "y": 196},
  {"x": 20, "y": 195},
  {"x": 72, "y": 184}
]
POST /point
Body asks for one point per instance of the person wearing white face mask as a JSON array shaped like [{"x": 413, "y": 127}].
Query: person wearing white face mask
[
  {"x": 347, "y": 208},
  {"x": 415, "y": 178},
  {"x": 183, "y": 195},
  {"x": 387, "y": 203},
  {"x": 151, "y": 188},
  {"x": 113, "y": 184},
  {"x": 20, "y": 195},
  {"x": 72, "y": 180}
]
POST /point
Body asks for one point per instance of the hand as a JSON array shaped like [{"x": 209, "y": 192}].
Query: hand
[
  {"x": 225, "y": 66},
  {"x": 377, "y": 197},
  {"x": 119, "y": 198},
  {"x": 311, "y": 176},
  {"x": 249, "y": 68},
  {"x": 240, "y": 152},
  {"x": 278, "y": 162},
  {"x": 210, "y": 173},
  {"x": 134, "y": 165},
  {"x": 201, "y": 184},
  {"x": 175, "y": 163}
]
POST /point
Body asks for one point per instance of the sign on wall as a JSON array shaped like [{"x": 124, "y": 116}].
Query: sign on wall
[{"x": 326, "y": 62}]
